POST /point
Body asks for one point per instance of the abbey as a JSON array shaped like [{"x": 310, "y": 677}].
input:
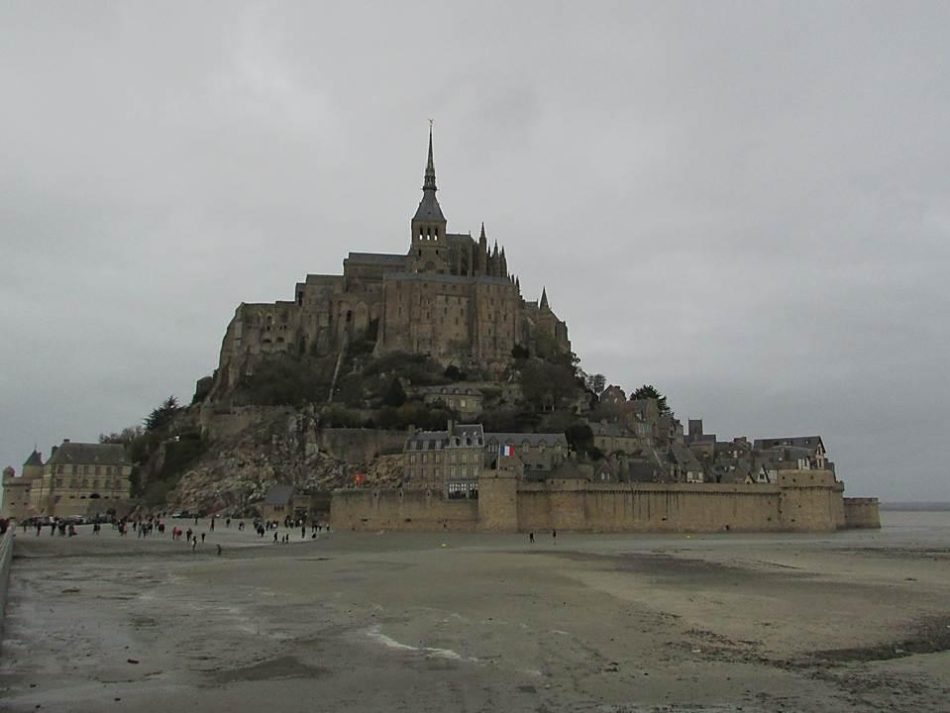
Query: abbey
[{"x": 449, "y": 296}]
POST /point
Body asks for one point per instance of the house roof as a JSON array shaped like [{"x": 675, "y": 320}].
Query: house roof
[
  {"x": 460, "y": 238},
  {"x": 533, "y": 439},
  {"x": 641, "y": 470},
  {"x": 565, "y": 471},
  {"x": 35, "y": 458},
  {"x": 434, "y": 440},
  {"x": 377, "y": 259},
  {"x": 89, "y": 454},
  {"x": 684, "y": 456},
  {"x": 447, "y": 279},
  {"x": 811, "y": 442},
  {"x": 279, "y": 495},
  {"x": 428, "y": 440},
  {"x": 470, "y": 430}
]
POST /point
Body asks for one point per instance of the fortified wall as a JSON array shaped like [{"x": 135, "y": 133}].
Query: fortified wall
[
  {"x": 862, "y": 513},
  {"x": 802, "y": 501}
]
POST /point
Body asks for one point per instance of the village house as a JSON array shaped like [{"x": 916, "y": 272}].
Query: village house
[
  {"x": 465, "y": 401},
  {"x": 805, "y": 452},
  {"x": 450, "y": 461}
]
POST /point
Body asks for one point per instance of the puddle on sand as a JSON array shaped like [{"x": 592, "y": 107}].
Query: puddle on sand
[{"x": 271, "y": 669}]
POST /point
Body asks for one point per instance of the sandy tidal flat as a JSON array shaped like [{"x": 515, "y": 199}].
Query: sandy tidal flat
[{"x": 853, "y": 621}]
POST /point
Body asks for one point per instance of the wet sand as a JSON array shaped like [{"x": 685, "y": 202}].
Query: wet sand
[{"x": 853, "y": 621}]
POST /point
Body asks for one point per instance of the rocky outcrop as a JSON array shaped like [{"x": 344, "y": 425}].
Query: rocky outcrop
[{"x": 235, "y": 473}]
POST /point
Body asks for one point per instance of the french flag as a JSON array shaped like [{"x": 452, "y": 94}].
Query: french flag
[{"x": 506, "y": 451}]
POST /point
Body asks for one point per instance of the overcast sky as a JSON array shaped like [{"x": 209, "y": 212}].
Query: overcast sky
[{"x": 744, "y": 204}]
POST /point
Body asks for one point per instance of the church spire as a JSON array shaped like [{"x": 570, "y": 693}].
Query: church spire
[
  {"x": 544, "y": 299},
  {"x": 428, "y": 183},
  {"x": 429, "y": 210}
]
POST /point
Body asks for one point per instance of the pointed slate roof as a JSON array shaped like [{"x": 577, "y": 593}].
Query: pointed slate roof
[
  {"x": 35, "y": 459},
  {"x": 429, "y": 209}
]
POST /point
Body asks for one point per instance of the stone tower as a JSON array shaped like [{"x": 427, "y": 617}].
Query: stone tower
[{"x": 429, "y": 251}]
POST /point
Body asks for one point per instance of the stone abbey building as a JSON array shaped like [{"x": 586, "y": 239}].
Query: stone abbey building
[{"x": 449, "y": 295}]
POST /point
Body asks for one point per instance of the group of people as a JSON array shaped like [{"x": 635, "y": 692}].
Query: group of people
[
  {"x": 60, "y": 525},
  {"x": 147, "y": 526}
]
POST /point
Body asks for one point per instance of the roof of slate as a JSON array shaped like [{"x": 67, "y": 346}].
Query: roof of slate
[
  {"x": 89, "y": 454},
  {"x": 533, "y": 439},
  {"x": 469, "y": 430},
  {"x": 35, "y": 458},
  {"x": 279, "y": 495},
  {"x": 684, "y": 456},
  {"x": 450, "y": 279},
  {"x": 641, "y": 470},
  {"x": 377, "y": 259},
  {"x": 432, "y": 440},
  {"x": 799, "y": 441},
  {"x": 429, "y": 208},
  {"x": 459, "y": 238}
]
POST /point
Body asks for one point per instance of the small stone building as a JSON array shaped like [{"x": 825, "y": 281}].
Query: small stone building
[{"x": 281, "y": 503}]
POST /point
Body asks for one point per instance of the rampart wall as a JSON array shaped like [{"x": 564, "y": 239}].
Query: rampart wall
[
  {"x": 802, "y": 501},
  {"x": 401, "y": 510},
  {"x": 860, "y": 513},
  {"x": 647, "y": 507}
]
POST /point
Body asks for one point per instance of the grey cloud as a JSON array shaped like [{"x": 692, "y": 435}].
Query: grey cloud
[{"x": 742, "y": 204}]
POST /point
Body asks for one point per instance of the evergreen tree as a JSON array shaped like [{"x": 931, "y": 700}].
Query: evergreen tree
[
  {"x": 160, "y": 417},
  {"x": 648, "y": 391}
]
